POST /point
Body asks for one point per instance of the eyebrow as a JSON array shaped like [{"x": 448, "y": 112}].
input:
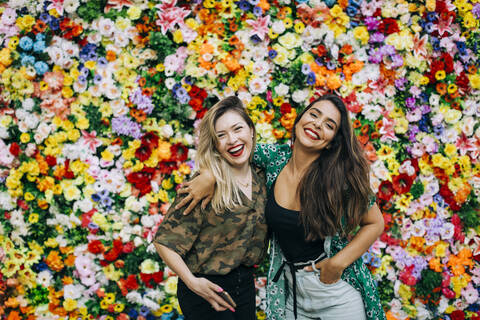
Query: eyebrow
[
  {"x": 330, "y": 119},
  {"x": 233, "y": 126}
]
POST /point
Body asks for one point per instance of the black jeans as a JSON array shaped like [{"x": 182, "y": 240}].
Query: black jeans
[{"x": 239, "y": 283}]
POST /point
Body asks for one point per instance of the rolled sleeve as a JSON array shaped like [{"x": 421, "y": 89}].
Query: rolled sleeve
[{"x": 179, "y": 232}]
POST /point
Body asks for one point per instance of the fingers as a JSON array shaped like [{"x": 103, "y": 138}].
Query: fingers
[
  {"x": 217, "y": 307},
  {"x": 191, "y": 206},
  {"x": 218, "y": 299},
  {"x": 184, "y": 201},
  {"x": 206, "y": 201}
]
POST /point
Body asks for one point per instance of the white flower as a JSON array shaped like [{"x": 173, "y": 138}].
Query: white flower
[
  {"x": 278, "y": 27},
  {"x": 148, "y": 221},
  {"x": 106, "y": 27},
  {"x": 71, "y": 5},
  {"x": 171, "y": 285},
  {"x": 372, "y": 112},
  {"x": 150, "y": 304},
  {"x": 281, "y": 89},
  {"x": 300, "y": 96},
  {"x": 260, "y": 68},
  {"x": 72, "y": 291},
  {"x": 44, "y": 278},
  {"x": 149, "y": 266},
  {"x": 169, "y": 83},
  {"x": 258, "y": 85},
  {"x": 6, "y": 201},
  {"x": 134, "y": 297},
  {"x": 28, "y": 104}
]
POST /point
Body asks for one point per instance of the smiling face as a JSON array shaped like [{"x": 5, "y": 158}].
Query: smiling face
[
  {"x": 318, "y": 125},
  {"x": 234, "y": 138}
]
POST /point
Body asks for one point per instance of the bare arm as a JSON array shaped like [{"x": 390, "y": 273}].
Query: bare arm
[
  {"x": 200, "y": 188},
  {"x": 201, "y": 286},
  {"x": 371, "y": 227}
]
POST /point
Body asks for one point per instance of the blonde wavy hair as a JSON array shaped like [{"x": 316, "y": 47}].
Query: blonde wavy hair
[{"x": 227, "y": 193}]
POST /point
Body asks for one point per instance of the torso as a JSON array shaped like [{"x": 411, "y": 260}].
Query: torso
[{"x": 286, "y": 190}]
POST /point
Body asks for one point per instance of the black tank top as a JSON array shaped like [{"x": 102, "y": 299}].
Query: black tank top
[{"x": 289, "y": 232}]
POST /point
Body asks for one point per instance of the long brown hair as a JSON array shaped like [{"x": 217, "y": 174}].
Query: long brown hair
[
  {"x": 227, "y": 193},
  {"x": 335, "y": 190}
]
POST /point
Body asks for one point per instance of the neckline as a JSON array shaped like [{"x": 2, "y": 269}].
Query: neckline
[{"x": 272, "y": 191}]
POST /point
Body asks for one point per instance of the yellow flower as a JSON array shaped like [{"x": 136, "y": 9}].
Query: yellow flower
[
  {"x": 149, "y": 266},
  {"x": 361, "y": 34},
  {"x": 112, "y": 274},
  {"x": 171, "y": 285},
  {"x": 474, "y": 81},
  {"x": 119, "y": 307},
  {"x": 452, "y": 88},
  {"x": 110, "y": 298},
  {"x": 299, "y": 27},
  {"x": 167, "y": 184},
  {"x": 25, "y": 137},
  {"x": 440, "y": 75},
  {"x": 178, "y": 36},
  {"x": 25, "y": 22},
  {"x": 167, "y": 308},
  {"x": 69, "y": 304},
  {"x": 104, "y": 304},
  {"x": 33, "y": 218},
  {"x": 51, "y": 243},
  {"x": 424, "y": 80},
  {"x": 160, "y": 67},
  {"x": 469, "y": 21},
  {"x": 184, "y": 169},
  {"x": 440, "y": 249},
  {"x": 405, "y": 292},
  {"x": 401, "y": 125},
  {"x": 28, "y": 196},
  {"x": 404, "y": 202},
  {"x": 107, "y": 155},
  {"x": 450, "y": 150},
  {"x": 272, "y": 35},
  {"x": 100, "y": 221},
  {"x": 163, "y": 196},
  {"x": 67, "y": 92},
  {"x": 13, "y": 43},
  {"x": 134, "y": 12},
  {"x": 288, "y": 23}
]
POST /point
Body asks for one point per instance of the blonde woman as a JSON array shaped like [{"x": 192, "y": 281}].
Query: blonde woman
[{"x": 213, "y": 250}]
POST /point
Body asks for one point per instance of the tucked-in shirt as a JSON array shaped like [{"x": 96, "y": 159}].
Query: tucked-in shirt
[
  {"x": 289, "y": 232},
  {"x": 216, "y": 243}
]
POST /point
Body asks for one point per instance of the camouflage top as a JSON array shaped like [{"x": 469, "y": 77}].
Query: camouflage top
[{"x": 214, "y": 244}]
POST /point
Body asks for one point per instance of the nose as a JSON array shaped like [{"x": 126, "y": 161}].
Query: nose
[{"x": 231, "y": 138}]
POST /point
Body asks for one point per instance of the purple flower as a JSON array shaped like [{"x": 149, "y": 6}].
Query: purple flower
[
  {"x": 375, "y": 56},
  {"x": 376, "y": 37},
  {"x": 387, "y": 50},
  {"x": 126, "y": 126},
  {"x": 410, "y": 102},
  {"x": 425, "y": 108},
  {"x": 397, "y": 61},
  {"x": 400, "y": 83},
  {"x": 476, "y": 10},
  {"x": 257, "y": 11},
  {"x": 372, "y": 23},
  {"x": 330, "y": 65},
  {"x": 97, "y": 79},
  {"x": 306, "y": 68}
]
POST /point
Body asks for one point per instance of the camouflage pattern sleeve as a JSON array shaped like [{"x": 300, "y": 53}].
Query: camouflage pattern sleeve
[{"x": 177, "y": 231}]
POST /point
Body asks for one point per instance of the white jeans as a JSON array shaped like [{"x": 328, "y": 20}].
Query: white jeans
[{"x": 317, "y": 300}]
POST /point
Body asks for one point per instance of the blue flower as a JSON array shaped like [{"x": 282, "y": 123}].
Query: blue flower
[
  {"x": 311, "y": 78},
  {"x": 144, "y": 311},
  {"x": 355, "y": 3},
  {"x": 351, "y": 11},
  {"x": 95, "y": 197},
  {"x": 26, "y": 43},
  {"x": 330, "y": 3},
  {"x": 54, "y": 24},
  {"x": 257, "y": 11},
  {"x": 39, "y": 46},
  {"x": 272, "y": 54},
  {"x": 27, "y": 60},
  {"x": 39, "y": 267},
  {"x": 243, "y": 5},
  {"x": 40, "y": 67},
  {"x": 39, "y": 37},
  {"x": 132, "y": 313},
  {"x": 255, "y": 39}
]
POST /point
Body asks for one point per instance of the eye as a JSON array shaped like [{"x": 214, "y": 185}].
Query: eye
[
  {"x": 237, "y": 129},
  {"x": 313, "y": 114},
  {"x": 330, "y": 126},
  {"x": 220, "y": 135}
]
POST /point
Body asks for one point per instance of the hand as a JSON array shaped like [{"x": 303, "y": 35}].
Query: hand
[
  {"x": 200, "y": 188},
  {"x": 330, "y": 270},
  {"x": 208, "y": 291}
]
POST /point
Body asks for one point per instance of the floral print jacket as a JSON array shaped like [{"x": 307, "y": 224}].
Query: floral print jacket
[{"x": 273, "y": 157}]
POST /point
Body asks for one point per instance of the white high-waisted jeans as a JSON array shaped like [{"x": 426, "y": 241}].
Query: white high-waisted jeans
[{"x": 317, "y": 300}]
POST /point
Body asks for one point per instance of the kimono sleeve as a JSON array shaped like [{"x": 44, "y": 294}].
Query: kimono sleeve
[{"x": 177, "y": 231}]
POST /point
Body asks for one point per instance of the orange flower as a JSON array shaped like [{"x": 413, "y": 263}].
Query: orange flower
[
  {"x": 67, "y": 280},
  {"x": 147, "y": 92},
  {"x": 54, "y": 261},
  {"x": 70, "y": 260},
  {"x": 363, "y": 139},
  {"x": 343, "y": 4},
  {"x": 472, "y": 69},
  {"x": 12, "y": 302},
  {"x": 346, "y": 49},
  {"x": 441, "y": 88},
  {"x": 139, "y": 115},
  {"x": 39, "y": 27},
  {"x": 231, "y": 63},
  {"x": 288, "y": 119},
  {"x": 278, "y": 134},
  {"x": 264, "y": 5},
  {"x": 463, "y": 193},
  {"x": 282, "y": 14},
  {"x": 268, "y": 116},
  {"x": 435, "y": 265},
  {"x": 375, "y": 135},
  {"x": 233, "y": 41},
  {"x": 370, "y": 152},
  {"x": 417, "y": 243},
  {"x": 43, "y": 204},
  {"x": 365, "y": 129},
  {"x": 13, "y": 316},
  {"x": 142, "y": 81},
  {"x": 334, "y": 82},
  {"x": 356, "y": 124}
]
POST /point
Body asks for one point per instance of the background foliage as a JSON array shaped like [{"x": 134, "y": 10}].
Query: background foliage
[{"x": 98, "y": 105}]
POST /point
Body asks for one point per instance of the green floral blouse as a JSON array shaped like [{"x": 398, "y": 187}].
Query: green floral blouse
[{"x": 272, "y": 158}]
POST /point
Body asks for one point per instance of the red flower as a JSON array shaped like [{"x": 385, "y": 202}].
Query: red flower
[
  {"x": 388, "y": 26},
  {"x": 462, "y": 82},
  {"x": 131, "y": 282},
  {"x": 402, "y": 183},
  {"x": 143, "y": 152},
  {"x": 285, "y": 108},
  {"x": 15, "y": 149},
  {"x": 457, "y": 315},
  {"x": 196, "y": 104},
  {"x": 68, "y": 173},
  {"x": 179, "y": 152},
  {"x": 141, "y": 180},
  {"x": 407, "y": 277},
  {"x": 385, "y": 190},
  {"x": 201, "y": 113},
  {"x": 128, "y": 247},
  {"x": 448, "y": 60},
  {"x": 146, "y": 277},
  {"x": 96, "y": 246},
  {"x": 158, "y": 277},
  {"x": 51, "y": 160},
  {"x": 150, "y": 139},
  {"x": 115, "y": 252}
]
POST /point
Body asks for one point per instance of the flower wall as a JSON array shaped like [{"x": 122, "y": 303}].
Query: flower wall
[{"x": 99, "y": 101}]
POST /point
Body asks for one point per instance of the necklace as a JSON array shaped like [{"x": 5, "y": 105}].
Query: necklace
[{"x": 245, "y": 184}]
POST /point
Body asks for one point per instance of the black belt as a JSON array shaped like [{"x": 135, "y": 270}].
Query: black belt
[{"x": 294, "y": 266}]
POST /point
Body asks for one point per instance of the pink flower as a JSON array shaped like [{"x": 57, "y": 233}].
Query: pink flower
[
  {"x": 57, "y": 5},
  {"x": 470, "y": 294},
  {"x": 84, "y": 266},
  {"x": 117, "y": 4},
  {"x": 260, "y": 26},
  {"x": 169, "y": 15}
]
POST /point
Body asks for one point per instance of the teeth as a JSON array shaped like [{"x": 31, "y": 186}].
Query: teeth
[
  {"x": 236, "y": 149},
  {"x": 313, "y": 133}
]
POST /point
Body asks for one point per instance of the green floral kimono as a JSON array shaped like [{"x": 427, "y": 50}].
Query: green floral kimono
[{"x": 273, "y": 157}]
